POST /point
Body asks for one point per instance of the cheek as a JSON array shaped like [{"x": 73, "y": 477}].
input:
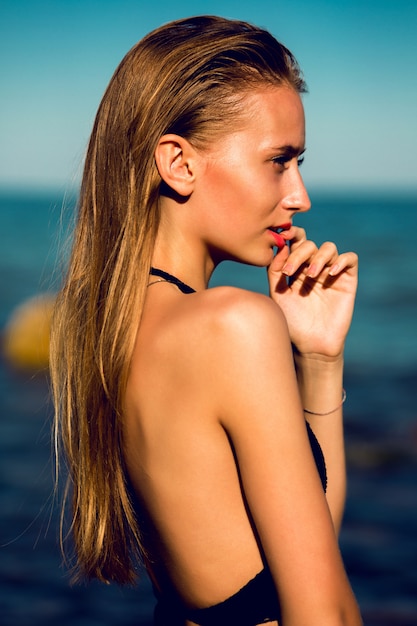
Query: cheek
[{"x": 227, "y": 192}]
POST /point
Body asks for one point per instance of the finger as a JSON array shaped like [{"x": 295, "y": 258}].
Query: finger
[
  {"x": 299, "y": 256},
  {"x": 345, "y": 261},
  {"x": 295, "y": 236},
  {"x": 325, "y": 257}
]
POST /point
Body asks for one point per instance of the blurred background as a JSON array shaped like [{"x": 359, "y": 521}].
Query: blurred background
[{"x": 360, "y": 63}]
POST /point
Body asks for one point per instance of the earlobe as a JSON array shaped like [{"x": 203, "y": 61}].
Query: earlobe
[{"x": 174, "y": 157}]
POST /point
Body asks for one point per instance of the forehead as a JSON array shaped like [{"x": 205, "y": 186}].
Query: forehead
[
  {"x": 274, "y": 111},
  {"x": 271, "y": 118}
]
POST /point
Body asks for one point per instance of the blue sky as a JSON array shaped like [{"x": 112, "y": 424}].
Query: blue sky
[{"x": 359, "y": 60}]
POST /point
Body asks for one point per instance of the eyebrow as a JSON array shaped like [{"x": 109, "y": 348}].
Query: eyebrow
[{"x": 290, "y": 151}]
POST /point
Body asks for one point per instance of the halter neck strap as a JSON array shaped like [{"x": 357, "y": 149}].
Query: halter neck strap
[{"x": 154, "y": 271}]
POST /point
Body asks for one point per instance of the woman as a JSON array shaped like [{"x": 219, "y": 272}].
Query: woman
[{"x": 181, "y": 407}]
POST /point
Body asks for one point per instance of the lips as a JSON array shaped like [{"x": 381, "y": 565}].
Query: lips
[{"x": 280, "y": 229}]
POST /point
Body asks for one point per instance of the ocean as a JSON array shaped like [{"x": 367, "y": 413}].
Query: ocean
[{"x": 379, "y": 536}]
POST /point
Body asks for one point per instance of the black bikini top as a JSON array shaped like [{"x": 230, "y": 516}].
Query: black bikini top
[{"x": 256, "y": 603}]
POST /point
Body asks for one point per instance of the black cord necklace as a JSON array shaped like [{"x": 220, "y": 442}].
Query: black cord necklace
[{"x": 169, "y": 278}]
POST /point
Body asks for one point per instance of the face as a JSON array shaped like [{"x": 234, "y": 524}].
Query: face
[{"x": 250, "y": 185}]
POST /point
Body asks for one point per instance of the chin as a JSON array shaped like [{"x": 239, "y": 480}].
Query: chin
[
  {"x": 263, "y": 259},
  {"x": 258, "y": 260},
  {"x": 256, "y": 257}
]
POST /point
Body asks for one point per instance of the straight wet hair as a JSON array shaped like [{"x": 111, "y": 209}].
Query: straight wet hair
[{"x": 188, "y": 77}]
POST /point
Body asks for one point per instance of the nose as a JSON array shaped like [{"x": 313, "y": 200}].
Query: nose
[{"x": 296, "y": 197}]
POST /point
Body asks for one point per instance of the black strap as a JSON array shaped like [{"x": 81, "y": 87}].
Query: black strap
[{"x": 171, "y": 279}]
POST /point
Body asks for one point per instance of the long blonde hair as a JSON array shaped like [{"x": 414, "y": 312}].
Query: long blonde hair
[{"x": 182, "y": 78}]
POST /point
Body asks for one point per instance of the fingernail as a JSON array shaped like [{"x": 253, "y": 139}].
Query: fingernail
[
  {"x": 287, "y": 269},
  {"x": 312, "y": 270},
  {"x": 333, "y": 270}
]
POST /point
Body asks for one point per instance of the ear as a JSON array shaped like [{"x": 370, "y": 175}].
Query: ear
[{"x": 176, "y": 160}]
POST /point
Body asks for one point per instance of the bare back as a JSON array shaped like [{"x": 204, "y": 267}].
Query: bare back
[{"x": 179, "y": 456}]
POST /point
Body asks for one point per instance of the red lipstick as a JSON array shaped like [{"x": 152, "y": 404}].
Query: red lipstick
[{"x": 276, "y": 232}]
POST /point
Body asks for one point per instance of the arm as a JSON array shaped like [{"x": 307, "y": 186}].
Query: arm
[
  {"x": 316, "y": 290},
  {"x": 262, "y": 413},
  {"x": 320, "y": 384}
]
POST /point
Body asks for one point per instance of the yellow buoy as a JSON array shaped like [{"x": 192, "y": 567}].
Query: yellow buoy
[{"x": 26, "y": 336}]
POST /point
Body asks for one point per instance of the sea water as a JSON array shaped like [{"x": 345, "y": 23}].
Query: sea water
[{"x": 379, "y": 536}]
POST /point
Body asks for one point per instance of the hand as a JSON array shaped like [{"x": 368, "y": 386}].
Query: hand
[{"x": 315, "y": 288}]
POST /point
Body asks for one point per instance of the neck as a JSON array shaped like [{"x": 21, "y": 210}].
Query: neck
[
  {"x": 181, "y": 248},
  {"x": 189, "y": 263}
]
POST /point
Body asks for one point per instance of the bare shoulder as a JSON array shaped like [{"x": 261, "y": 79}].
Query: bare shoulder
[
  {"x": 243, "y": 328},
  {"x": 244, "y": 344},
  {"x": 213, "y": 344},
  {"x": 231, "y": 315}
]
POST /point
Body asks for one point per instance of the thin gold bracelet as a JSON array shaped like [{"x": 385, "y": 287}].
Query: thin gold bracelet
[{"x": 328, "y": 412}]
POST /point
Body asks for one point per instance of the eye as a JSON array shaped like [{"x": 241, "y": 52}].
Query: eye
[
  {"x": 281, "y": 160},
  {"x": 284, "y": 159}
]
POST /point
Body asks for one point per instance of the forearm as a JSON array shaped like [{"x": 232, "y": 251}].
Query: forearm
[{"x": 320, "y": 382}]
